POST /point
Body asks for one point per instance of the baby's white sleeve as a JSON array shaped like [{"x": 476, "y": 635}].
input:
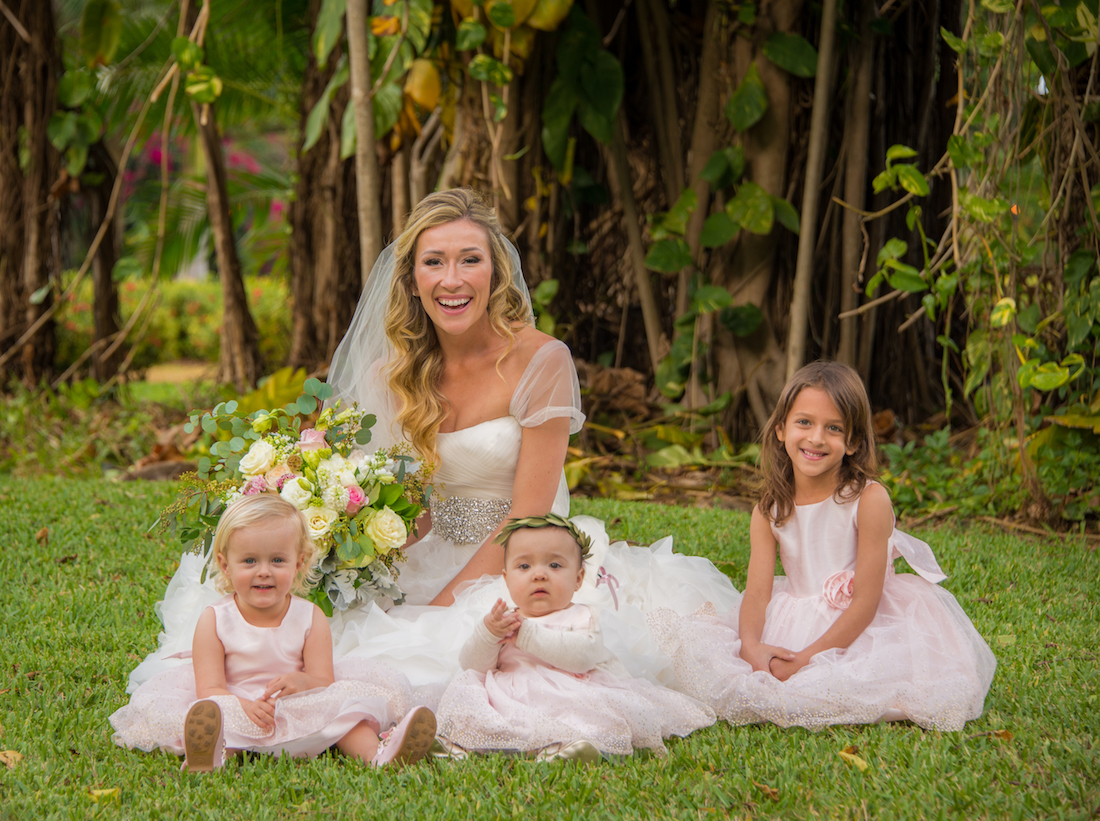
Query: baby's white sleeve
[
  {"x": 548, "y": 389},
  {"x": 481, "y": 650},
  {"x": 574, "y": 651}
]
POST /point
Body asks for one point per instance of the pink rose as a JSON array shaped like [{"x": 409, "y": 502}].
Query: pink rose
[
  {"x": 255, "y": 485},
  {"x": 837, "y": 590},
  {"x": 312, "y": 439},
  {"x": 356, "y": 499}
]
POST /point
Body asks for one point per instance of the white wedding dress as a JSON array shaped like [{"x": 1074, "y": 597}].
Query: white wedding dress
[{"x": 476, "y": 471}]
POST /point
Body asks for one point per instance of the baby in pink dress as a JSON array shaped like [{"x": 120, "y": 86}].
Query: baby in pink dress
[
  {"x": 261, "y": 675},
  {"x": 537, "y": 677}
]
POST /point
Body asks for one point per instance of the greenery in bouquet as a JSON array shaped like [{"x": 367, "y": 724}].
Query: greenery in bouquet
[{"x": 359, "y": 505}]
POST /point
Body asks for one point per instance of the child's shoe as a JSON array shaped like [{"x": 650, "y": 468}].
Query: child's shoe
[
  {"x": 581, "y": 751},
  {"x": 202, "y": 738},
  {"x": 409, "y": 741}
]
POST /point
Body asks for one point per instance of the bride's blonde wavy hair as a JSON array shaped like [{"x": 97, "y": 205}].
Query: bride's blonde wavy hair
[{"x": 416, "y": 367}]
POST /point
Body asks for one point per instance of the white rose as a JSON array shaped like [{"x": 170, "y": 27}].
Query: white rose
[
  {"x": 259, "y": 459},
  {"x": 387, "y": 530},
  {"x": 298, "y": 491},
  {"x": 319, "y": 520}
]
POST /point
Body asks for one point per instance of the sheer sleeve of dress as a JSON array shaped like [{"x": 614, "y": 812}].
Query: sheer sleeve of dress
[{"x": 549, "y": 389}]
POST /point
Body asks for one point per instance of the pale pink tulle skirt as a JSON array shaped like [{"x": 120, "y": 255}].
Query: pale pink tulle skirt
[{"x": 920, "y": 659}]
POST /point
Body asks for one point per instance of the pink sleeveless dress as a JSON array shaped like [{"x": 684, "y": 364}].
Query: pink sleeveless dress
[
  {"x": 306, "y": 724},
  {"x": 920, "y": 658},
  {"x": 557, "y": 683}
]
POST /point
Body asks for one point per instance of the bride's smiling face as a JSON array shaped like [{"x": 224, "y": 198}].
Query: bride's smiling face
[{"x": 452, "y": 276}]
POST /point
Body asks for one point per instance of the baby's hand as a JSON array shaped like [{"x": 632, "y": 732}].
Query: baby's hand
[
  {"x": 287, "y": 684},
  {"x": 783, "y": 669},
  {"x": 500, "y": 622},
  {"x": 261, "y": 711},
  {"x": 760, "y": 655}
]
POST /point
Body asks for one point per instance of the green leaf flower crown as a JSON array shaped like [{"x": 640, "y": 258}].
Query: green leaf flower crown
[{"x": 549, "y": 520}]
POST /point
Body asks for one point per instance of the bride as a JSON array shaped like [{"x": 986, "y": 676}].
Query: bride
[{"x": 442, "y": 349}]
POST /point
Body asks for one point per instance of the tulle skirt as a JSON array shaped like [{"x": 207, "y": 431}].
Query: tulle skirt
[
  {"x": 306, "y": 724},
  {"x": 920, "y": 659},
  {"x": 535, "y": 706}
]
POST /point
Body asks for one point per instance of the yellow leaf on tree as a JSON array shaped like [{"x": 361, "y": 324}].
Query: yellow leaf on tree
[
  {"x": 384, "y": 26},
  {"x": 548, "y": 14},
  {"x": 10, "y": 758},
  {"x": 423, "y": 85},
  {"x": 849, "y": 754}
]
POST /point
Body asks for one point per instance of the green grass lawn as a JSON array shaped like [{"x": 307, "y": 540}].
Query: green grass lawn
[{"x": 78, "y": 614}]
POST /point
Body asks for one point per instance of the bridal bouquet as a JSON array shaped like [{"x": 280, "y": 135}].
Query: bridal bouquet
[{"x": 359, "y": 505}]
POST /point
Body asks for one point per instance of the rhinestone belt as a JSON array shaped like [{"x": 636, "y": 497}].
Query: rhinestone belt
[{"x": 467, "y": 521}]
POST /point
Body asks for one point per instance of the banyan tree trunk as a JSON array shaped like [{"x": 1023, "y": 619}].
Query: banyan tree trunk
[
  {"x": 324, "y": 220},
  {"x": 30, "y": 64}
]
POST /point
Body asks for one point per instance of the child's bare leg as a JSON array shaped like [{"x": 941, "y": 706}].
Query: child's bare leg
[{"x": 361, "y": 742}]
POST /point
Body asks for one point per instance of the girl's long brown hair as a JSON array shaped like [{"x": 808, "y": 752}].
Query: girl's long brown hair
[
  {"x": 416, "y": 368},
  {"x": 844, "y": 387}
]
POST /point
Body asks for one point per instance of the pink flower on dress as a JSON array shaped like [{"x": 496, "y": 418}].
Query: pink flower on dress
[
  {"x": 255, "y": 485},
  {"x": 312, "y": 439},
  {"x": 837, "y": 590},
  {"x": 356, "y": 499}
]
